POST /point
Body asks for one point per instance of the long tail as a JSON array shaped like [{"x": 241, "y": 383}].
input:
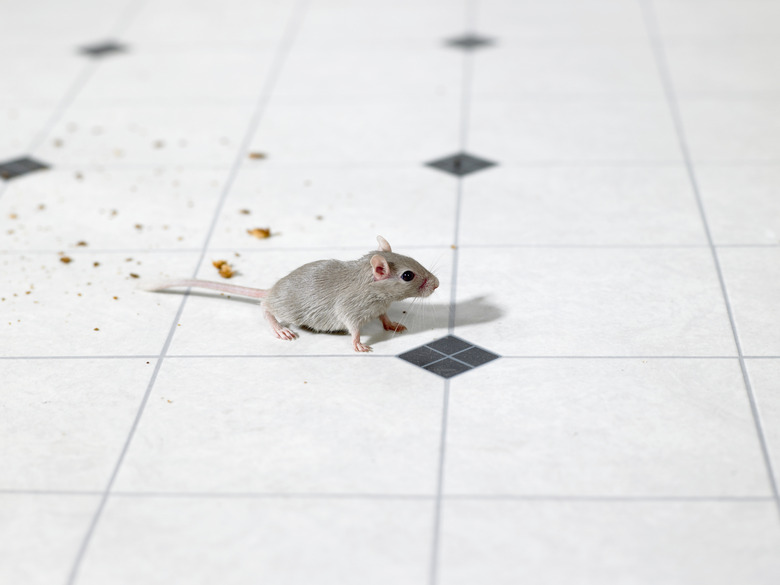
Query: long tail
[{"x": 256, "y": 293}]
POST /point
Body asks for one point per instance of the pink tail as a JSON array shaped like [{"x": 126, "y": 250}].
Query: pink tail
[{"x": 245, "y": 291}]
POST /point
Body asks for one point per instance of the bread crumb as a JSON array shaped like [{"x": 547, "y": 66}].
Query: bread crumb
[
  {"x": 82, "y": 243},
  {"x": 134, "y": 275},
  {"x": 13, "y": 216},
  {"x": 244, "y": 211},
  {"x": 225, "y": 269},
  {"x": 96, "y": 329},
  {"x": 257, "y": 155},
  {"x": 65, "y": 259},
  {"x": 96, "y": 264},
  {"x": 260, "y": 233}
]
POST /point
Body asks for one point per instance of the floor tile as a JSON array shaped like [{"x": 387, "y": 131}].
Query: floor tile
[
  {"x": 222, "y": 425},
  {"x": 581, "y": 205},
  {"x": 389, "y": 132},
  {"x": 42, "y": 534},
  {"x": 752, "y": 278},
  {"x": 229, "y": 22},
  {"x": 67, "y": 305},
  {"x": 63, "y": 431},
  {"x": 584, "y": 427},
  {"x": 565, "y": 131},
  {"x": 732, "y": 130},
  {"x": 568, "y": 68},
  {"x": 765, "y": 380},
  {"x": 338, "y": 206},
  {"x": 115, "y": 135},
  {"x": 593, "y": 302},
  {"x": 608, "y": 542},
  {"x": 740, "y": 203},
  {"x": 160, "y": 75},
  {"x": 723, "y": 66},
  {"x": 323, "y": 73},
  {"x": 163, "y": 208},
  {"x": 561, "y": 20},
  {"x": 304, "y": 541},
  {"x": 722, "y": 18}
]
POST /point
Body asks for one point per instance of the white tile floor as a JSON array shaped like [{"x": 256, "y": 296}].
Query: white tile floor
[{"x": 622, "y": 256}]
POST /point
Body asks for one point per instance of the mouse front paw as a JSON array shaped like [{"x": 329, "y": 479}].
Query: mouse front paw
[
  {"x": 391, "y": 325},
  {"x": 361, "y": 347}
]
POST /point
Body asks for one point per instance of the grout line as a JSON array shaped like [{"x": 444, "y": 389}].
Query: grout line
[
  {"x": 376, "y": 356},
  {"x": 437, "y": 509},
  {"x": 280, "y": 55},
  {"x": 389, "y": 496},
  {"x": 121, "y": 251},
  {"x": 656, "y": 44}
]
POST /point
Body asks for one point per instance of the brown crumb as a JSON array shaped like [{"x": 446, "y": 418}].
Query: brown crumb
[
  {"x": 260, "y": 233},
  {"x": 138, "y": 226},
  {"x": 134, "y": 275},
  {"x": 116, "y": 298},
  {"x": 454, "y": 247},
  {"x": 81, "y": 243},
  {"x": 96, "y": 329},
  {"x": 41, "y": 206},
  {"x": 225, "y": 269},
  {"x": 13, "y": 216},
  {"x": 159, "y": 144},
  {"x": 257, "y": 155},
  {"x": 319, "y": 218},
  {"x": 244, "y": 211},
  {"x": 65, "y": 259},
  {"x": 57, "y": 143},
  {"x": 79, "y": 176},
  {"x": 96, "y": 264}
]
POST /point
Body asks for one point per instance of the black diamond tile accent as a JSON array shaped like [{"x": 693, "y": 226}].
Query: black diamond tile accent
[
  {"x": 448, "y": 356},
  {"x": 447, "y": 368},
  {"x": 20, "y": 166},
  {"x": 449, "y": 345},
  {"x": 469, "y": 41},
  {"x": 475, "y": 356},
  {"x": 421, "y": 356},
  {"x": 460, "y": 164},
  {"x": 104, "y": 48}
]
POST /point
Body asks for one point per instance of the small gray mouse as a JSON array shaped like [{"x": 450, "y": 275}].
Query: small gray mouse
[{"x": 335, "y": 295}]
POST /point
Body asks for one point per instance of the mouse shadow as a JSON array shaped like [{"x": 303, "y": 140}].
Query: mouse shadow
[{"x": 423, "y": 317}]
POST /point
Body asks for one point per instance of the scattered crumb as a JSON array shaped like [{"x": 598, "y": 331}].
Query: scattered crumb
[
  {"x": 170, "y": 401},
  {"x": 129, "y": 259},
  {"x": 79, "y": 176},
  {"x": 260, "y": 233},
  {"x": 82, "y": 243},
  {"x": 225, "y": 269},
  {"x": 96, "y": 329},
  {"x": 453, "y": 246},
  {"x": 96, "y": 264},
  {"x": 244, "y": 211},
  {"x": 116, "y": 298},
  {"x": 138, "y": 226},
  {"x": 41, "y": 206},
  {"x": 257, "y": 155},
  {"x": 57, "y": 143},
  {"x": 13, "y": 216},
  {"x": 319, "y": 218},
  {"x": 134, "y": 275},
  {"x": 65, "y": 259},
  {"x": 159, "y": 144},
  {"x": 114, "y": 212}
]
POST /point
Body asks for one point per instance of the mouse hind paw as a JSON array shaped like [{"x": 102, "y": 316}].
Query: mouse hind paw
[{"x": 279, "y": 331}]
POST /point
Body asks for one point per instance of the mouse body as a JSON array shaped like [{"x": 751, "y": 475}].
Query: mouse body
[{"x": 336, "y": 295}]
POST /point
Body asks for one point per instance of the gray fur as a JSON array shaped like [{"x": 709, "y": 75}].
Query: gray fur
[{"x": 336, "y": 295}]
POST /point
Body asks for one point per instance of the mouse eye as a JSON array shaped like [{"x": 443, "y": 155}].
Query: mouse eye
[{"x": 408, "y": 275}]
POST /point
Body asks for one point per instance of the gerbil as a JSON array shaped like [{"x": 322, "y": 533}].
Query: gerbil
[{"x": 334, "y": 295}]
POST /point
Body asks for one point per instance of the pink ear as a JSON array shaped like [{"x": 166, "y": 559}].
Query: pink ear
[
  {"x": 381, "y": 268},
  {"x": 383, "y": 245}
]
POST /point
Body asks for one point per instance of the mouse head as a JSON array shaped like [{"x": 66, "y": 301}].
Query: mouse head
[{"x": 403, "y": 277}]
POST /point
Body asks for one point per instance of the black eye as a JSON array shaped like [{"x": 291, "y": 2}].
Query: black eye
[{"x": 408, "y": 275}]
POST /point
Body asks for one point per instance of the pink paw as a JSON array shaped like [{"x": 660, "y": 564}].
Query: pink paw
[
  {"x": 361, "y": 346},
  {"x": 393, "y": 326},
  {"x": 286, "y": 334}
]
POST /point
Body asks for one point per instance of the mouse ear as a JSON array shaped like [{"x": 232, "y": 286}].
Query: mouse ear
[
  {"x": 383, "y": 245},
  {"x": 380, "y": 266}
]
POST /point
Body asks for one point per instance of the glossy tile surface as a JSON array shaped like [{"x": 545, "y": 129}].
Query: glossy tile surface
[{"x": 590, "y": 395}]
